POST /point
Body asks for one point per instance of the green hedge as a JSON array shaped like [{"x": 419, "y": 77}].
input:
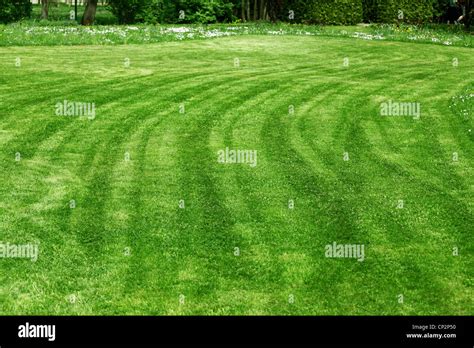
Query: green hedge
[
  {"x": 127, "y": 11},
  {"x": 337, "y": 12},
  {"x": 440, "y": 9},
  {"x": 173, "y": 11},
  {"x": 14, "y": 10},
  {"x": 369, "y": 8},
  {"x": 387, "y": 11},
  {"x": 300, "y": 9}
]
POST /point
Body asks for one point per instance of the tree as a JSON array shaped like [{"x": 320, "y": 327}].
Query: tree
[
  {"x": 258, "y": 9},
  {"x": 89, "y": 14},
  {"x": 44, "y": 9},
  {"x": 469, "y": 6},
  {"x": 274, "y": 8},
  {"x": 14, "y": 10},
  {"x": 127, "y": 11}
]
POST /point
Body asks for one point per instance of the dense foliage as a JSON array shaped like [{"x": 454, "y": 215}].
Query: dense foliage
[
  {"x": 441, "y": 9},
  {"x": 395, "y": 11},
  {"x": 336, "y": 11},
  {"x": 13, "y": 10},
  {"x": 172, "y": 11},
  {"x": 298, "y": 11},
  {"x": 127, "y": 11}
]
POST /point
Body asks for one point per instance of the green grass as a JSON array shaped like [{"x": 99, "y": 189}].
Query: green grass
[
  {"x": 173, "y": 156},
  {"x": 58, "y": 33}
]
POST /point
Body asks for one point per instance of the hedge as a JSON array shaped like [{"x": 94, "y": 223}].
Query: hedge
[
  {"x": 338, "y": 12},
  {"x": 369, "y": 8},
  {"x": 14, "y": 10},
  {"x": 395, "y": 11},
  {"x": 181, "y": 11},
  {"x": 299, "y": 8}
]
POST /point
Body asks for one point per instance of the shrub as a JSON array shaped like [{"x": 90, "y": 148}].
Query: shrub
[
  {"x": 152, "y": 13},
  {"x": 369, "y": 8},
  {"x": 301, "y": 9},
  {"x": 14, "y": 10},
  {"x": 395, "y": 11},
  {"x": 127, "y": 11},
  {"x": 336, "y": 12},
  {"x": 202, "y": 11},
  {"x": 172, "y": 11},
  {"x": 440, "y": 10}
]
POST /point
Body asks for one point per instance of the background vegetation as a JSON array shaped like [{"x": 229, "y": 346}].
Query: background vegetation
[
  {"x": 394, "y": 11},
  {"x": 339, "y": 12},
  {"x": 13, "y": 10}
]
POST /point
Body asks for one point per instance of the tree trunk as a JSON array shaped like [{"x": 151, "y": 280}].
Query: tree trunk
[
  {"x": 262, "y": 9},
  {"x": 89, "y": 13},
  {"x": 248, "y": 10},
  {"x": 44, "y": 9},
  {"x": 243, "y": 10},
  {"x": 255, "y": 10},
  {"x": 468, "y": 19},
  {"x": 273, "y": 9}
]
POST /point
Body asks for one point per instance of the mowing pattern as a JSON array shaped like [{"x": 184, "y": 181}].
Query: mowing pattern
[{"x": 159, "y": 226}]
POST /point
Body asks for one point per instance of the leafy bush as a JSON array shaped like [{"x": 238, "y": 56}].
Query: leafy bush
[
  {"x": 440, "y": 9},
  {"x": 301, "y": 9},
  {"x": 336, "y": 11},
  {"x": 202, "y": 11},
  {"x": 14, "y": 10},
  {"x": 369, "y": 8},
  {"x": 172, "y": 11},
  {"x": 152, "y": 13},
  {"x": 395, "y": 11},
  {"x": 127, "y": 11}
]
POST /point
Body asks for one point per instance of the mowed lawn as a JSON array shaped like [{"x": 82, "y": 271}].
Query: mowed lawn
[{"x": 129, "y": 248}]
